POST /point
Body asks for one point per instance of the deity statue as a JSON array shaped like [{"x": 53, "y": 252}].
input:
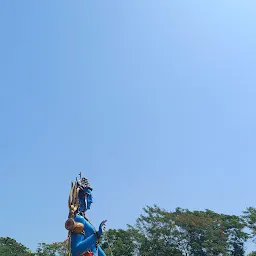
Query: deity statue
[{"x": 83, "y": 237}]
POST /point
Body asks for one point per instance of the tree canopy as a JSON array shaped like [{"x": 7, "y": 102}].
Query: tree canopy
[
  {"x": 159, "y": 232},
  {"x": 9, "y": 246}
]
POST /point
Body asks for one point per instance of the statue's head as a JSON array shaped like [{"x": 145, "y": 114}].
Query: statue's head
[{"x": 84, "y": 195}]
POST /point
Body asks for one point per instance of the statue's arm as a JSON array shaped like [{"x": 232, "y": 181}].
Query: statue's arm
[
  {"x": 100, "y": 252},
  {"x": 86, "y": 244}
]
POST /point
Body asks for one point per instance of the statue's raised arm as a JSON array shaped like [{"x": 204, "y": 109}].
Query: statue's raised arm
[{"x": 83, "y": 237}]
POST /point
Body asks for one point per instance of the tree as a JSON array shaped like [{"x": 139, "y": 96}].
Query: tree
[
  {"x": 234, "y": 231},
  {"x": 249, "y": 215},
  {"x": 9, "y": 246},
  {"x": 183, "y": 232},
  {"x": 252, "y": 253},
  {"x": 200, "y": 233},
  {"x": 54, "y": 249},
  {"x": 154, "y": 233},
  {"x": 119, "y": 241}
]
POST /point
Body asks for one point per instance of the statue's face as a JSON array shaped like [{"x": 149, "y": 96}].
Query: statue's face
[
  {"x": 89, "y": 200},
  {"x": 85, "y": 199}
]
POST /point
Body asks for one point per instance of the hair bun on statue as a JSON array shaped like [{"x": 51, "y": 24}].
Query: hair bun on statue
[{"x": 83, "y": 183}]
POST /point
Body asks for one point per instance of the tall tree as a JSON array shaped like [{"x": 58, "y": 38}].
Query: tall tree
[
  {"x": 9, "y": 246},
  {"x": 252, "y": 253},
  {"x": 182, "y": 232},
  {"x": 54, "y": 249},
  {"x": 249, "y": 215},
  {"x": 119, "y": 242},
  {"x": 234, "y": 231},
  {"x": 155, "y": 234}
]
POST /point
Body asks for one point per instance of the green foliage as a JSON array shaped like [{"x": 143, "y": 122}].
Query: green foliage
[
  {"x": 119, "y": 241},
  {"x": 10, "y": 247},
  {"x": 158, "y": 232},
  {"x": 252, "y": 254},
  {"x": 154, "y": 232},
  {"x": 55, "y": 249},
  {"x": 183, "y": 232},
  {"x": 249, "y": 215}
]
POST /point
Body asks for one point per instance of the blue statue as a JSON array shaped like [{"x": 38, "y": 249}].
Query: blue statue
[{"x": 83, "y": 237}]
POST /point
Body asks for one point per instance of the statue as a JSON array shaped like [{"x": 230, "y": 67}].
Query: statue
[{"x": 83, "y": 237}]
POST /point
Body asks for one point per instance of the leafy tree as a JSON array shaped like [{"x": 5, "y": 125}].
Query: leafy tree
[
  {"x": 252, "y": 254},
  {"x": 54, "y": 249},
  {"x": 183, "y": 232},
  {"x": 155, "y": 234},
  {"x": 119, "y": 241},
  {"x": 161, "y": 233},
  {"x": 249, "y": 216},
  {"x": 200, "y": 233},
  {"x": 234, "y": 231},
  {"x": 9, "y": 246}
]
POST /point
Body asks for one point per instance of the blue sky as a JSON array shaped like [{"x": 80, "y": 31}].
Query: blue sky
[{"x": 153, "y": 100}]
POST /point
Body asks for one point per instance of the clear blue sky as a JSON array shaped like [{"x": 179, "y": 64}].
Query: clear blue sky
[{"x": 153, "y": 100}]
